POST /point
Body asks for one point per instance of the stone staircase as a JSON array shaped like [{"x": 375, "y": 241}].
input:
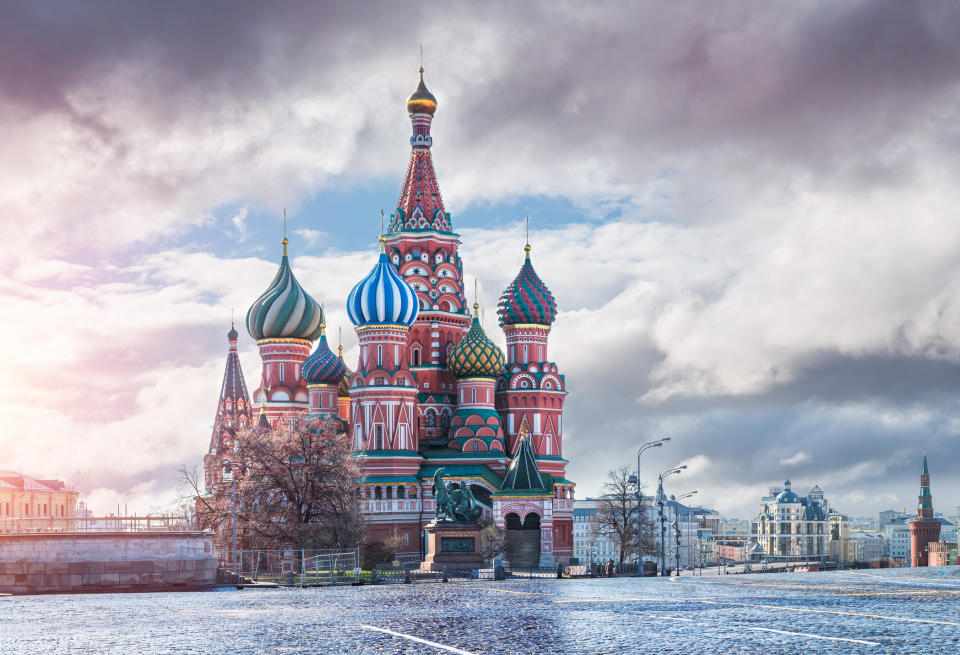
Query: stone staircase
[{"x": 523, "y": 549}]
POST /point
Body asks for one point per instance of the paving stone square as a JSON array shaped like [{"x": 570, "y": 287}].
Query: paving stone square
[{"x": 871, "y": 611}]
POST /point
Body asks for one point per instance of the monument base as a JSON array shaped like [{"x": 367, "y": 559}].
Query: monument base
[{"x": 453, "y": 545}]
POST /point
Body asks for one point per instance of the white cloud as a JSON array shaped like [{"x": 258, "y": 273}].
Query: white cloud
[
  {"x": 798, "y": 458},
  {"x": 239, "y": 221}
]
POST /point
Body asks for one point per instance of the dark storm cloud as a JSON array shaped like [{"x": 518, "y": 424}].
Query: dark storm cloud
[{"x": 823, "y": 86}]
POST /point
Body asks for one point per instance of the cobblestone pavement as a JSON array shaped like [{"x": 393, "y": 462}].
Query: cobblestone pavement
[{"x": 883, "y": 612}]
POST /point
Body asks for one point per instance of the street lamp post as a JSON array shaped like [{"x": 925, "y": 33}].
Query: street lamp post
[
  {"x": 636, "y": 481},
  {"x": 663, "y": 525},
  {"x": 676, "y": 523}
]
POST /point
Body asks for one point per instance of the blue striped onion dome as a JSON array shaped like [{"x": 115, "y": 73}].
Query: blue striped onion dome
[
  {"x": 527, "y": 299},
  {"x": 323, "y": 367},
  {"x": 284, "y": 310},
  {"x": 476, "y": 355},
  {"x": 383, "y": 297}
]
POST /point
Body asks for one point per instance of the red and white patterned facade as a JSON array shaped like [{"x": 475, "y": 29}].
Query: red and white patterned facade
[{"x": 408, "y": 412}]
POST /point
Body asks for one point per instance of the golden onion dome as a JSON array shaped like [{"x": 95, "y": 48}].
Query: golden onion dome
[
  {"x": 476, "y": 355},
  {"x": 421, "y": 101}
]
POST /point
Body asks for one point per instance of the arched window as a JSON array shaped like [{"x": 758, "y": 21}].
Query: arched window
[
  {"x": 379, "y": 355},
  {"x": 401, "y": 492},
  {"x": 413, "y": 491},
  {"x": 378, "y": 493},
  {"x": 444, "y": 420},
  {"x": 416, "y": 357},
  {"x": 389, "y": 493},
  {"x": 379, "y": 437},
  {"x": 473, "y": 395},
  {"x": 430, "y": 420}
]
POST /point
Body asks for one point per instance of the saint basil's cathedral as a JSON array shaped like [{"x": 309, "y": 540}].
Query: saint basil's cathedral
[{"x": 430, "y": 389}]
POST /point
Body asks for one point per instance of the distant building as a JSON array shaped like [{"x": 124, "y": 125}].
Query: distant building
[
  {"x": 867, "y": 546},
  {"x": 896, "y": 540},
  {"x": 733, "y": 526},
  {"x": 732, "y": 548},
  {"x": 706, "y": 548},
  {"x": 866, "y": 523},
  {"x": 942, "y": 553},
  {"x": 33, "y": 505},
  {"x": 588, "y": 545},
  {"x": 840, "y": 547},
  {"x": 679, "y": 518},
  {"x": 790, "y": 526}
]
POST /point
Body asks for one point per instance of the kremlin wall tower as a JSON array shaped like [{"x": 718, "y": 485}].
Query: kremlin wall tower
[{"x": 430, "y": 389}]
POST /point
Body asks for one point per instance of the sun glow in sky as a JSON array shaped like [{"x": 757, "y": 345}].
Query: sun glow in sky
[{"x": 747, "y": 213}]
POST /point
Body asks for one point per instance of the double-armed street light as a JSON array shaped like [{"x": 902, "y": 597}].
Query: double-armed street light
[
  {"x": 635, "y": 480},
  {"x": 661, "y": 499}
]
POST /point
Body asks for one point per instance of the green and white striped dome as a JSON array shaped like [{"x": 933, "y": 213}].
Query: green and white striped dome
[{"x": 285, "y": 310}]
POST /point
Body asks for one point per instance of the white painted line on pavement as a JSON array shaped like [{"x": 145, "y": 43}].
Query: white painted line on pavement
[
  {"x": 671, "y": 618},
  {"x": 806, "y": 634},
  {"x": 418, "y": 639}
]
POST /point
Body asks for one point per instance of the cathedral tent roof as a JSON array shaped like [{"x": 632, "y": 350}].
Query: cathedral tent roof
[{"x": 523, "y": 474}]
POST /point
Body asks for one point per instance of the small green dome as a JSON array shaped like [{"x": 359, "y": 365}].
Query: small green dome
[{"x": 476, "y": 355}]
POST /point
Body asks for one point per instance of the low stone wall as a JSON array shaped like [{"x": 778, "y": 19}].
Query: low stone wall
[{"x": 106, "y": 562}]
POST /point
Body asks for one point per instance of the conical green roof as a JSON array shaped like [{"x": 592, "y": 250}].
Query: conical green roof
[{"x": 523, "y": 475}]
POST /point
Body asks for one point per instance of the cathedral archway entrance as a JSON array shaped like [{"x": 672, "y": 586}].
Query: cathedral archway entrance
[{"x": 523, "y": 540}]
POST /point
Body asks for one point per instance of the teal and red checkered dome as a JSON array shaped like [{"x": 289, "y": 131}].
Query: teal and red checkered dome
[
  {"x": 527, "y": 299},
  {"x": 323, "y": 367}
]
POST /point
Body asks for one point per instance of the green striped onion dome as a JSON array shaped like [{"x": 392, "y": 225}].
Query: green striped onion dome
[
  {"x": 285, "y": 310},
  {"x": 527, "y": 299},
  {"x": 476, "y": 355}
]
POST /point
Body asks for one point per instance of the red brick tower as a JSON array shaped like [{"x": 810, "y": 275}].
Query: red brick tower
[
  {"x": 233, "y": 413},
  {"x": 532, "y": 386},
  {"x": 284, "y": 320},
  {"x": 423, "y": 247},
  {"x": 923, "y": 529},
  {"x": 383, "y": 400},
  {"x": 530, "y": 398}
]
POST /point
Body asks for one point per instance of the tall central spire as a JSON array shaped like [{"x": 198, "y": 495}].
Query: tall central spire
[
  {"x": 925, "y": 504},
  {"x": 420, "y": 206}
]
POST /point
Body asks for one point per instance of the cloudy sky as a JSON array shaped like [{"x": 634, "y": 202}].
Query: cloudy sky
[{"x": 748, "y": 213}]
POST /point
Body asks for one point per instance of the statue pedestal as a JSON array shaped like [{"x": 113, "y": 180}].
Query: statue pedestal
[{"x": 453, "y": 545}]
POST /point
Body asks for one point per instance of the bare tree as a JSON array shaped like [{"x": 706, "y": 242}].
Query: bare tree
[
  {"x": 296, "y": 486},
  {"x": 616, "y": 515}
]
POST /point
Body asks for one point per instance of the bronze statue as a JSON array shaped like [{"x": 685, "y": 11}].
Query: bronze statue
[{"x": 454, "y": 504}]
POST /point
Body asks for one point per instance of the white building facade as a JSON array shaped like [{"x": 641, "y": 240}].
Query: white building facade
[{"x": 790, "y": 526}]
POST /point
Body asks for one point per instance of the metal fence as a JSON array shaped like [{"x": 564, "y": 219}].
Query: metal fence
[
  {"x": 293, "y": 567},
  {"x": 96, "y": 524}
]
